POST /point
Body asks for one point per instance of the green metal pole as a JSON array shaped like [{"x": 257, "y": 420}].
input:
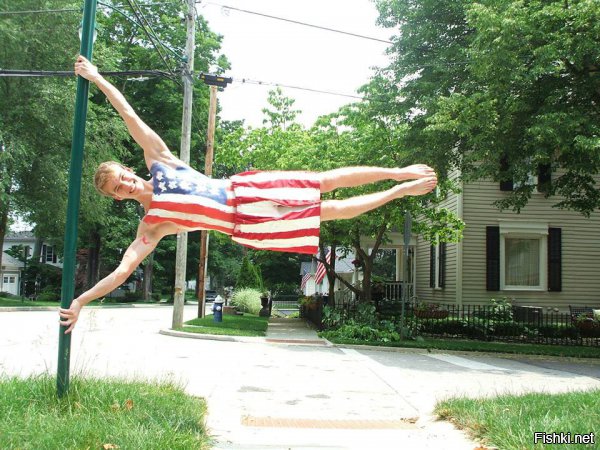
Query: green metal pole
[{"x": 68, "y": 278}]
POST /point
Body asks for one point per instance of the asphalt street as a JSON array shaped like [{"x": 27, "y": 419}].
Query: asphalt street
[{"x": 292, "y": 390}]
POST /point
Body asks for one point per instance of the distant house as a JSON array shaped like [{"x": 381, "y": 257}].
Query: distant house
[
  {"x": 543, "y": 256},
  {"x": 309, "y": 270},
  {"x": 12, "y": 269}
]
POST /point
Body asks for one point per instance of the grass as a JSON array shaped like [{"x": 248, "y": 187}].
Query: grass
[
  {"x": 509, "y": 422},
  {"x": 481, "y": 346},
  {"x": 232, "y": 325},
  {"x": 17, "y": 302},
  {"x": 99, "y": 414}
]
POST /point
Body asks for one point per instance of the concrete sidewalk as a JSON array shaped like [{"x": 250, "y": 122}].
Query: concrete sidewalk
[
  {"x": 292, "y": 331},
  {"x": 306, "y": 394}
]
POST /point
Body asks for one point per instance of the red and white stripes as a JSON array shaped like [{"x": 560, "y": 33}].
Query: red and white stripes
[{"x": 277, "y": 211}]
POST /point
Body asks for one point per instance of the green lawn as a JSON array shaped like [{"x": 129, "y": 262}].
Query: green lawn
[
  {"x": 481, "y": 346},
  {"x": 511, "y": 422},
  {"x": 99, "y": 413},
  {"x": 232, "y": 325}
]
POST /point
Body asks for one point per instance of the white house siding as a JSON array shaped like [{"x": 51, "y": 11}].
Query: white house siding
[
  {"x": 450, "y": 292},
  {"x": 580, "y": 249}
]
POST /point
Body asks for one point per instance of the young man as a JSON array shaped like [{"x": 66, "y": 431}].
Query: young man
[{"x": 271, "y": 210}]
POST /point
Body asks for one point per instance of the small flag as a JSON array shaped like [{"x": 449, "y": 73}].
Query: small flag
[
  {"x": 320, "y": 274},
  {"x": 305, "y": 279}
]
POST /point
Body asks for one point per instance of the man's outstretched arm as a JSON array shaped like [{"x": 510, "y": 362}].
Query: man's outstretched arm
[{"x": 153, "y": 145}]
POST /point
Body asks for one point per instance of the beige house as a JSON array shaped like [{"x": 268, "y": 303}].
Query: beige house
[{"x": 542, "y": 256}]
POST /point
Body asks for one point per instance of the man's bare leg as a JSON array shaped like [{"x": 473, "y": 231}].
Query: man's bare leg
[
  {"x": 355, "y": 206},
  {"x": 357, "y": 176}
]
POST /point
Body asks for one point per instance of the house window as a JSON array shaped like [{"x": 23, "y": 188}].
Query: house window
[
  {"x": 48, "y": 254},
  {"x": 523, "y": 256},
  {"x": 9, "y": 279}
]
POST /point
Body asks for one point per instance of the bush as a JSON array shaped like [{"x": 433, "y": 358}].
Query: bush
[
  {"x": 451, "y": 326},
  {"x": 247, "y": 300},
  {"x": 249, "y": 277},
  {"x": 132, "y": 296},
  {"x": 48, "y": 295}
]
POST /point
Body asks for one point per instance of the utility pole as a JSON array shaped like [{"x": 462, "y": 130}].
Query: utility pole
[
  {"x": 213, "y": 82},
  {"x": 184, "y": 155}
]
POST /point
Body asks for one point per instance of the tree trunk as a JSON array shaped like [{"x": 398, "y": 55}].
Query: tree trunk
[
  {"x": 148, "y": 273},
  {"x": 93, "y": 262}
]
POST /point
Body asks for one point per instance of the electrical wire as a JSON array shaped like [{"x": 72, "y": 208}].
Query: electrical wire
[
  {"x": 318, "y": 91},
  {"x": 61, "y": 73},
  {"x": 297, "y": 22},
  {"x": 138, "y": 14},
  {"x": 36, "y": 11}
]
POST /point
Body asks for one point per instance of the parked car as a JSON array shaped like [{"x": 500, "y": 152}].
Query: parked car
[{"x": 209, "y": 295}]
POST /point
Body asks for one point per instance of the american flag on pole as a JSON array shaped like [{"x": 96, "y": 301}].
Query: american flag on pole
[
  {"x": 320, "y": 273},
  {"x": 305, "y": 278}
]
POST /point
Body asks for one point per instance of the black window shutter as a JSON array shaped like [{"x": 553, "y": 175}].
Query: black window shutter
[
  {"x": 442, "y": 282},
  {"x": 492, "y": 254},
  {"x": 432, "y": 266},
  {"x": 544, "y": 178},
  {"x": 505, "y": 185},
  {"x": 554, "y": 260}
]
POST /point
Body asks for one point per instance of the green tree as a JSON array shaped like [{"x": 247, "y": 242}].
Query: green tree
[
  {"x": 281, "y": 114},
  {"x": 248, "y": 277},
  {"x": 357, "y": 135},
  {"x": 501, "y": 90},
  {"x": 37, "y": 113}
]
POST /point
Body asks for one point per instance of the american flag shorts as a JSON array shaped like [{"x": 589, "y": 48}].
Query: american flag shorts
[{"x": 278, "y": 211}]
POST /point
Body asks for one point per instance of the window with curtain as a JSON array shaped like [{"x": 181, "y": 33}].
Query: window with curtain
[{"x": 521, "y": 262}]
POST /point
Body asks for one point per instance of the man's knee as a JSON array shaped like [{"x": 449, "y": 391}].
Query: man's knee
[{"x": 334, "y": 210}]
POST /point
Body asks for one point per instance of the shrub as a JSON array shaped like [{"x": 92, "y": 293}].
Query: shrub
[
  {"x": 250, "y": 276},
  {"x": 132, "y": 296},
  {"x": 247, "y": 300},
  {"x": 48, "y": 294},
  {"x": 508, "y": 328}
]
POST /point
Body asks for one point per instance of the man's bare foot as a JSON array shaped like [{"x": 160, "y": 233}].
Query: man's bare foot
[
  {"x": 416, "y": 187},
  {"x": 416, "y": 171}
]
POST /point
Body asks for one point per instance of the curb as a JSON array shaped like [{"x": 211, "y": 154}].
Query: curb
[
  {"x": 248, "y": 339},
  {"x": 212, "y": 337}
]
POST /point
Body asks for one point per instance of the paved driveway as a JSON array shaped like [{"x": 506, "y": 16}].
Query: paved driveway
[{"x": 279, "y": 396}]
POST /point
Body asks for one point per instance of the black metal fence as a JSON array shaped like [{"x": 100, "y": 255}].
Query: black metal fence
[{"x": 496, "y": 322}]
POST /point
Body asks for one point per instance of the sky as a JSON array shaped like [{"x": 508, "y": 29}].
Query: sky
[{"x": 266, "y": 50}]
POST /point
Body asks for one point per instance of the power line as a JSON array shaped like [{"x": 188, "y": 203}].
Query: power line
[
  {"x": 299, "y": 23},
  {"x": 35, "y": 11},
  {"x": 61, "y": 73},
  {"x": 318, "y": 91},
  {"x": 138, "y": 14}
]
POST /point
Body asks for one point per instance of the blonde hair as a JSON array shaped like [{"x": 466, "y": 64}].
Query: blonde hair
[{"x": 103, "y": 173}]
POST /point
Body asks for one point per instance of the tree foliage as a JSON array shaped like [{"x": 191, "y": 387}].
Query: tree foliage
[
  {"x": 354, "y": 136},
  {"x": 499, "y": 88},
  {"x": 36, "y": 114}
]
